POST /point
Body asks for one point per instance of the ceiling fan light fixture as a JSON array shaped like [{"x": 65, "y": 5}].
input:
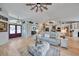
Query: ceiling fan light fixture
[{"x": 39, "y": 6}]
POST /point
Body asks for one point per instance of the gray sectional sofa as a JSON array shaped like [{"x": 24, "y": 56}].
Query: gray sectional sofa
[
  {"x": 50, "y": 37},
  {"x": 52, "y": 41},
  {"x": 44, "y": 49}
]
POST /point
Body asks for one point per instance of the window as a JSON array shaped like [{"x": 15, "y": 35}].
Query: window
[
  {"x": 18, "y": 29},
  {"x": 12, "y": 29}
]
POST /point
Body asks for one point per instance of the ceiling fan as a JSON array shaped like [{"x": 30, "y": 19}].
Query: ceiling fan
[{"x": 38, "y": 6}]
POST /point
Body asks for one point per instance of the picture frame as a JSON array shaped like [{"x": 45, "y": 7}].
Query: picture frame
[{"x": 3, "y": 26}]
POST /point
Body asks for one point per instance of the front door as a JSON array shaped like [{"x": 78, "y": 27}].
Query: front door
[{"x": 15, "y": 31}]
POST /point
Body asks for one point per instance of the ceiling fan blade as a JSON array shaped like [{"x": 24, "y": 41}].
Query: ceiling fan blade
[
  {"x": 46, "y": 3},
  {"x": 37, "y": 9},
  {"x": 30, "y": 4},
  {"x": 44, "y": 7},
  {"x": 41, "y": 9},
  {"x": 33, "y": 7}
]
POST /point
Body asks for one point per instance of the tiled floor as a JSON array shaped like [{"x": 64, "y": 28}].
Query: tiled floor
[{"x": 17, "y": 46}]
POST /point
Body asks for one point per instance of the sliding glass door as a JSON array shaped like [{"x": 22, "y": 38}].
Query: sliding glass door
[{"x": 15, "y": 31}]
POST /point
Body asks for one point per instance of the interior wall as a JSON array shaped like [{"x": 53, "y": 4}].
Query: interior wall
[
  {"x": 24, "y": 30},
  {"x": 29, "y": 26},
  {"x": 3, "y": 35}
]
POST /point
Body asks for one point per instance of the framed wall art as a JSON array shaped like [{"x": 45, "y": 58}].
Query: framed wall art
[{"x": 3, "y": 26}]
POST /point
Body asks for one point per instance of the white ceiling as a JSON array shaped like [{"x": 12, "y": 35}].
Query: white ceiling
[{"x": 57, "y": 11}]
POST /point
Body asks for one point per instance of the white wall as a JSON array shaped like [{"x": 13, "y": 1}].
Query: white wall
[
  {"x": 29, "y": 26},
  {"x": 3, "y": 35},
  {"x": 26, "y": 29}
]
